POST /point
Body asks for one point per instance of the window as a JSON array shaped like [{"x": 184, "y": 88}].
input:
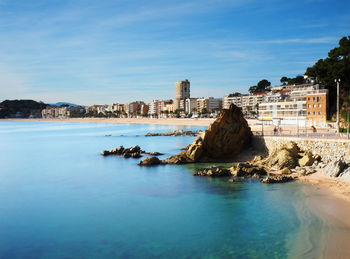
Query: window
[
  {"x": 318, "y": 99},
  {"x": 319, "y": 113},
  {"x": 309, "y": 99},
  {"x": 314, "y": 113},
  {"x": 309, "y": 105},
  {"x": 319, "y": 105},
  {"x": 308, "y": 113},
  {"x": 313, "y": 98},
  {"x": 314, "y": 105}
]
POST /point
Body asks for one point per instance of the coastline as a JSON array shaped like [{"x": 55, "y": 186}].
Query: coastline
[
  {"x": 168, "y": 121},
  {"x": 328, "y": 199}
]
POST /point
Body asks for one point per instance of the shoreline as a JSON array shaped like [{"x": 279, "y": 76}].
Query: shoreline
[
  {"x": 168, "y": 121},
  {"x": 331, "y": 206}
]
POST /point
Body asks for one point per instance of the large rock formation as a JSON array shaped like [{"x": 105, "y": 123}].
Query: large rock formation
[{"x": 226, "y": 137}]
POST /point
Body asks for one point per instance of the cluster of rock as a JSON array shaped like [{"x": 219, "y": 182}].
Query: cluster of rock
[
  {"x": 176, "y": 133},
  {"x": 131, "y": 152},
  {"x": 240, "y": 170},
  {"x": 284, "y": 164},
  {"x": 226, "y": 137}
]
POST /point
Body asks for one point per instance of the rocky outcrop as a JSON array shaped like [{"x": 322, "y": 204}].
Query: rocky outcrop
[
  {"x": 285, "y": 156},
  {"x": 226, "y": 137},
  {"x": 176, "y": 133},
  {"x": 213, "y": 171},
  {"x": 334, "y": 168},
  {"x": 277, "y": 179},
  {"x": 307, "y": 160},
  {"x": 131, "y": 152},
  {"x": 288, "y": 156},
  {"x": 246, "y": 169},
  {"x": 150, "y": 161}
]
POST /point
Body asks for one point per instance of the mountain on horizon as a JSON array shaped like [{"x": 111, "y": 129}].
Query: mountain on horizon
[{"x": 65, "y": 103}]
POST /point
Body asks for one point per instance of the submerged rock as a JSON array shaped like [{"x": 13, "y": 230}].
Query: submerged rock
[
  {"x": 277, "y": 179},
  {"x": 226, "y": 137}
]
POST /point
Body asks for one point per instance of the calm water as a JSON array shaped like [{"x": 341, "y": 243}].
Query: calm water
[{"x": 60, "y": 199}]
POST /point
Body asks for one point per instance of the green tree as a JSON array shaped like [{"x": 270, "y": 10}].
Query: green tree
[
  {"x": 262, "y": 86},
  {"x": 335, "y": 66},
  {"x": 284, "y": 80}
]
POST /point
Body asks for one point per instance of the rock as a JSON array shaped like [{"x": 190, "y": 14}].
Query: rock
[
  {"x": 302, "y": 171},
  {"x": 150, "y": 161},
  {"x": 179, "y": 159},
  {"x": 334, "y": 168},
  {"x": 285, "y": 156},
  {"x": 154, "y": 153},
  {"x": 176, "y": 133},
  {"x": 245, "y": 169},
  {"x": 136, "y": 155},
  {"x": 226, "y": 137},
  {"x": 105, "y": 153},
  {"x": 277, "y": 179},
  {"x": 285, "y": 171},
  {"x": 133, "y": 152},
  {"x": 126, "y": 155},
  {"x": 306, "y": 160},
  {"x": 213, "y": 171},
  {"x": 345, "y": 175}
]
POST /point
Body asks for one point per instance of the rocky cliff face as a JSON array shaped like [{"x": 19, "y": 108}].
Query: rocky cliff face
[{"x": 226, "y": 137}]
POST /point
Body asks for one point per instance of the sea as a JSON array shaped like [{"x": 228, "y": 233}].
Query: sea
[{"x": 59, "y": 198}]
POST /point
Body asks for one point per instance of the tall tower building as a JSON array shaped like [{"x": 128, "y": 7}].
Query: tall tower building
[{"x": 182, "y": 92}]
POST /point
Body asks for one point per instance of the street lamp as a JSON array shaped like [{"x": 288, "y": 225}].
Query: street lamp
[{"x": 338, "y": 83}]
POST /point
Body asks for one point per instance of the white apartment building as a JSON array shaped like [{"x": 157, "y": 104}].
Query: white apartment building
[
  {"x": 152, "y": 107},
  {"x": 191, "y": 105}
]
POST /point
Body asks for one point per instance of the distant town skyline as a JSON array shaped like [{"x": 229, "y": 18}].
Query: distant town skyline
[{"x": 94, "y": 52}]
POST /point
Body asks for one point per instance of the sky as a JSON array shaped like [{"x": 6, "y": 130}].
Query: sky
[{"x": 102, "y": 52}]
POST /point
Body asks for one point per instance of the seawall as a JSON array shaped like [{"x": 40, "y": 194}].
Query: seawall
[{"x": 328, "y": 149}]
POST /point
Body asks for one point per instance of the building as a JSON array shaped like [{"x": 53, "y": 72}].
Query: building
[
  {"x": 152, "y": 107},
  {"x": 302, "y": 106},
  {"x": 210, "y": 104},
  {"x": 182, "y": 92},
  {"x": 191, "y": 105},
  {"x": 316, "y": 107}
]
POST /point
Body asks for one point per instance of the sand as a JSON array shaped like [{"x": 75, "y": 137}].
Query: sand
[{"x": 329, "y": 199}]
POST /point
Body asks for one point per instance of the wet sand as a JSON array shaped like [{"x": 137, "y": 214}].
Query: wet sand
[{"x": 328, "y": 199}]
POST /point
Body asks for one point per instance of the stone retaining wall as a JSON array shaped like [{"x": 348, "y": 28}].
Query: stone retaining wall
[{"x": 328, "y": 149}]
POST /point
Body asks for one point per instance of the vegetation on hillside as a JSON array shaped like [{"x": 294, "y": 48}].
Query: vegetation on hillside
[{"x": 21, "y": 108}]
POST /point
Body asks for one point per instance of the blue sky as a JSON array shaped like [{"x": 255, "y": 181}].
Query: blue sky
[{"x": 87, "y": 52}]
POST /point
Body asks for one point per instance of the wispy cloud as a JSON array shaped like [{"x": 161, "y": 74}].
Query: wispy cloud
[{"x": 299, "y": 40}]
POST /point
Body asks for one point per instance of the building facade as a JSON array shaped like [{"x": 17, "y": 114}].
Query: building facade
[{"x": 182, "y": 92}]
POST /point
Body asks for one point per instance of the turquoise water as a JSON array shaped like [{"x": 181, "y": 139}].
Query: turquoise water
[{"x": 60, "y": 199}]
